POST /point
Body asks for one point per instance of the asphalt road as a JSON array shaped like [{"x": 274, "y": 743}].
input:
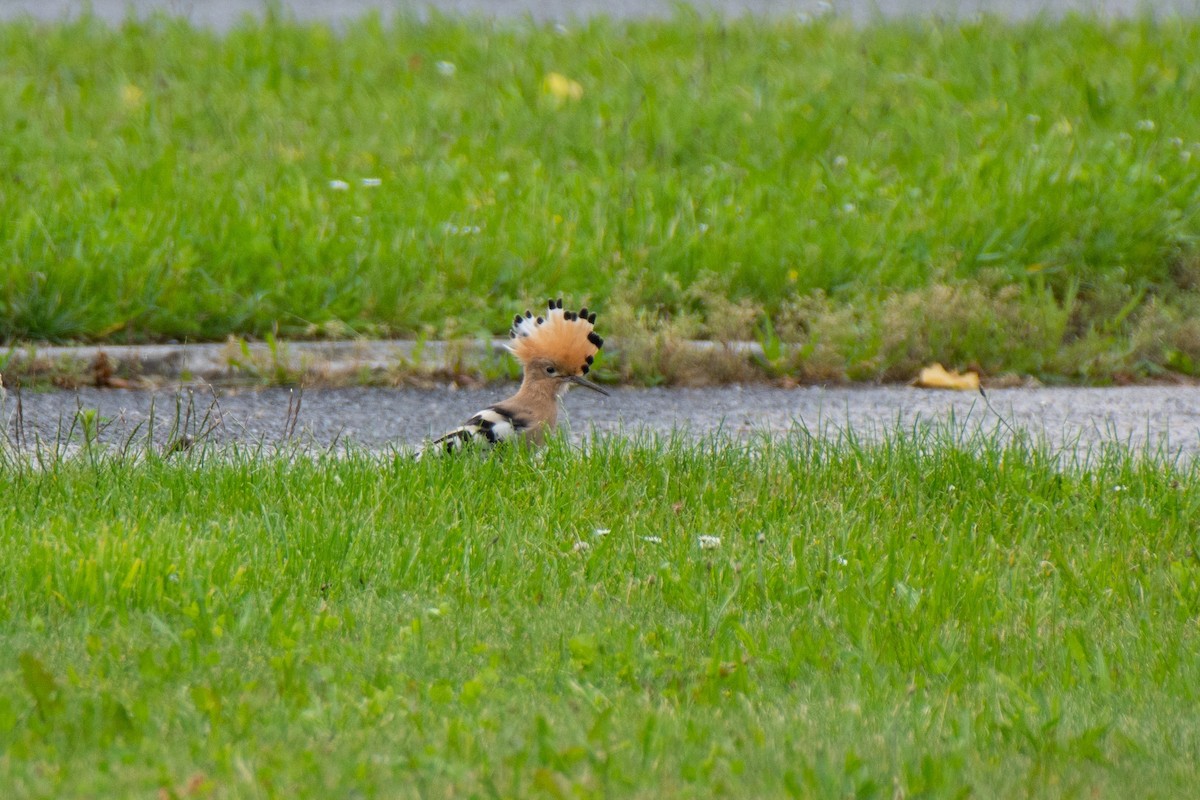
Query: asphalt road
[
  {"x": 222, "y": 14},
  {"x": 1165, "y": 419}
]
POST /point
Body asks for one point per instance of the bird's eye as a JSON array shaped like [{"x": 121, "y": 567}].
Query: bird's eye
[{"x": 550, "y": 370}]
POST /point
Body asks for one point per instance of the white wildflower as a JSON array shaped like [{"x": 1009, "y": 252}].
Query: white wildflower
[
  {"x": 710, "y": 542},
  {"x": 702, "y": 227},
  {"x": 446, "y": 68},
  {"x": 581, "y": 547},
  {"x": 371, "y": 182},
  {"x": 1120, "y": 488},
  {"x": 601, "y": 532},
  {"x": 1145, "y": 125},
  {"x": 849, "y": 208},
  {"x": 1175, "y": 141},
  {"x": 652, "y": 539},
  {"x": 1032, "y": 119},
  {"x": 842, "y": 560},
  {"x": 840, "y": 161},
  {"x": 460, "y": 230},
  {"x": 338, "y": 185}
]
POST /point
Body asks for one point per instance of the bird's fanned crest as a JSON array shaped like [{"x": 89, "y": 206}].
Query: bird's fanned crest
[{"x": 562, "y": 336}]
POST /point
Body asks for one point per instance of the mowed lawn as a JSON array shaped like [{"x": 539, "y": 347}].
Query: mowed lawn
[
  {"x": 1025, "y": 197},
  {"x": 924, "y": 616},
  {"x": 919, "y": 617}
]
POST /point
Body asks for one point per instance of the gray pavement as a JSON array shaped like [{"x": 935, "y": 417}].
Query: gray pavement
[
  {"x": 1077, "y": 421},
  {"x": 222, "y": 14}
]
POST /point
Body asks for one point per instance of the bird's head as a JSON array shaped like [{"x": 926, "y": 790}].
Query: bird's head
[
  {"x": 559, "y": 346},
  {"x": 545, "y": 369}
]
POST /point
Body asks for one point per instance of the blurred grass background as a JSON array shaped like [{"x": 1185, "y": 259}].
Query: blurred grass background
[{"x": 1021, "y": 197}]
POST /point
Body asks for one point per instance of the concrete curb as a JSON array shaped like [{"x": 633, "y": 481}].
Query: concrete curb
[{"x": 240, "y": 361}]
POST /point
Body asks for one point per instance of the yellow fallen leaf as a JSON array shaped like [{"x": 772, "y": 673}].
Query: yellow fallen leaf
[
  {"x": 935, "y": 376},
  {"x": 132, "y": 96},
  {"x": 561, "y": 88}
]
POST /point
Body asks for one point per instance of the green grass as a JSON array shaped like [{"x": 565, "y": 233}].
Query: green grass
[
  {"x": 1032, "y": 189},
  {"x": 923, "y": 617}
]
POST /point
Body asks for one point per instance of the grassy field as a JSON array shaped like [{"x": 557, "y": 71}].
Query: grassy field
[
  {"x": 1025, "y": 197},
  {"x": 922, "y": 617}
]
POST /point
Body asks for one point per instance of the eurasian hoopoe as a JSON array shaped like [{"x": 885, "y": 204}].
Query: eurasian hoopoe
[{"x": 555, "y": 351}]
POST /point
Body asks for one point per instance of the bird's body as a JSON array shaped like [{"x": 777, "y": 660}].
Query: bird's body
[{"x": 555, "y": 351}]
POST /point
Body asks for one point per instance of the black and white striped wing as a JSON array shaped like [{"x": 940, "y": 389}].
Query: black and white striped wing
[{"x": 486, "y": 428}]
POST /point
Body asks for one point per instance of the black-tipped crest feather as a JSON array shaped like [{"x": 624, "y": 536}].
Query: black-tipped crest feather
[{"x": 561, "y": 335}]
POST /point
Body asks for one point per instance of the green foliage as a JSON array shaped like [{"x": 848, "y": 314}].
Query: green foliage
[
  {"x": 418, "y": 177},
  {"x": 923, "y": 616}
]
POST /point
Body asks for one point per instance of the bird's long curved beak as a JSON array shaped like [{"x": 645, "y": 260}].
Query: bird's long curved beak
[{"x": 582, "y": 381}]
